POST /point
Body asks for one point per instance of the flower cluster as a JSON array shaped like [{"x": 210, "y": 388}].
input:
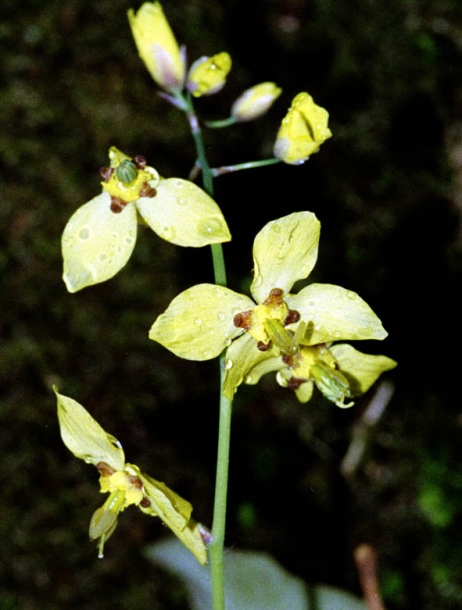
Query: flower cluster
[
  {"x": 125, "y": 483},
  {"x": 302, "y": 131},
  {"x": 279, "y": 331}
]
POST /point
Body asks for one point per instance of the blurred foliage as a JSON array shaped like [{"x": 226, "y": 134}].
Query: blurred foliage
[{"x": 71, "y": 86}]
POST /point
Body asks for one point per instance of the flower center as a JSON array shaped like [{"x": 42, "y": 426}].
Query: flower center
[
  {"x": 266, "y": 322},
  {"x": 126, "y": 481},
  {"x": 128, "y": 179}
]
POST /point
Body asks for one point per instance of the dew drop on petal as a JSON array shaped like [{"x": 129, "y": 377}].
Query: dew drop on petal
[
  {"x": 221, "y": 316},
  {"x": 206, "y": 354},
  {"x": 198, "y": 321},
  {"x": 351, "y": 295},
  {"x": 229, "y": 364},
  {"x": 182, "y": 201},
  {"x": 228, "y": 342},
  {"x": 210, "y": 226},
  {"x": 84, "y": 233},
  {"x": 179, "y": 183},
  {"x": 248, "y": 380},
  {"x": 167, "y": 233},
  {"x": 276, "y": 228}
]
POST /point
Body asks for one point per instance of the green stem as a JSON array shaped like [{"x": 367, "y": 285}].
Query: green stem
[
  {"x": 224, "y": 429},
  {"x": 221, "y": 123},
  {"x": 227, "y": 169}
]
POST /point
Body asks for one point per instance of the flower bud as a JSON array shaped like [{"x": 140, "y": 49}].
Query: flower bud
[
  {"x": 157, "y": 46},
  {"x": 254, "y": 102},
  {"x": 302, "y": 131},
  {"x": 208, "y": 75}
]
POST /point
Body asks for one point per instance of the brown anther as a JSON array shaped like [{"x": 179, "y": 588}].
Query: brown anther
[
  {"x": 139, "y": 161},
  {"x": 147, "y": 190},
  {"x": 243, "y": 320},
  {"x": 292, "y": 317},
  {"x": 145, "y": 502},
  {"x": 295, "y": 383},
  {"x": 275, "y": 297},
  {"x": 263, "y": 347},
  {"x": 288, "y": 359},
  {"x": 106, "y": 173},
  {"x": 105, "y": 469},
  {"x": 117, "y": 204},
  {"x": 135, "y": 481}
]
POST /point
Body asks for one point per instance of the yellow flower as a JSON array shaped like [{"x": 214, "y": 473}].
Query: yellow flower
[
  {"x": 302, "y": 131},
  {"x": 254, "y": 102},
  {"x": 281, "y": 331},
  {"x": 208, "y": 75},
  {"x": 157, "y": 46},
  {"x": 100, "y": 236},
  {"x": 125, "y": 483}
]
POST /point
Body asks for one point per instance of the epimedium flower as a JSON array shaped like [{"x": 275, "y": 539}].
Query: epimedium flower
[
  {"x": 125, "y": 483},
  {"x": 207, "y": 75},
  {"x": 157, "y": 46},
  {"x": 302, "y": 131},
  {"x": 100, "y": 237},
  {"x": 255, "y": 102},
  {"x": 278, "y": 331}
]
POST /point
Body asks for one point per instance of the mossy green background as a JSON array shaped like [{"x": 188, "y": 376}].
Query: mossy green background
[{"x": 385, "y": 189}]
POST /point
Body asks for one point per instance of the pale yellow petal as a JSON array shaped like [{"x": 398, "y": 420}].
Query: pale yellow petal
[
  {"x": 175, "y": 512},
  {"x": 198, "y": 323},
  {"x": 85, "y": 437},
  {"x": 332, "y": 313},
  {"x": 361, "y": 370},
  {"x": 165, "y": 503},
  {"x": 97, "y": 243},
  {"x": 284, "y": 251},
  {"x": 183, "y": 214},
  {"x": 242, "y": 356},
  {"x": 255, "y": 102}
]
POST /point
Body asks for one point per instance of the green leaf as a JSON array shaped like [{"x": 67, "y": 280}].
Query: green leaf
[
  {"x": 198, "y": 323},
  {"x": 284, "y": 251},
  {"x": 183, "y": 214},
  {"x": 97, "y": 243}
]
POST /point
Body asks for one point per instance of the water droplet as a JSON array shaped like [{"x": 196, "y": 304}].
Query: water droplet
[
  {"x": 311, "y": 303},
  {"x": 210, "y": 227},
  {"x": 336, "y": 334},
  {"x": 182, "y": 201},
  {"x": 167, "y": 233},
  {"x": 249, "y": 380},
  {"x": 102, "y": 257},
  {"x": 179, "y": 183},
  {"x": 351, "y": 295},
  {"x": 276, "y": 228},
  {"x": 198, "y": 321},
  {"x": 229, "y": 364},
  {"x": 221, "y": 316},
  {"x": 84, "y": 233},
  {"x": 228, "y": 342},
  {"x": 206, "y": 354}
]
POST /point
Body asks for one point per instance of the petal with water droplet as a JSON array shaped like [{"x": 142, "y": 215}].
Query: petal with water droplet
[
  {"x": 185, "y": 328},
  {"x": 284, "y": 251},
  {"x": 361, "y": 370},
  {"x": 97, "y": 243},
  {"x": 197, "y": 221},
  {"x": 84, "y": 437},
  {"x": 332, "y": 313},
  {"x": 247, "y": 359}
]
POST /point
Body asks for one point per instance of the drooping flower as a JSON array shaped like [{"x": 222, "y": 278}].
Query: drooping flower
[
  {"x": 207, "y": 75},
  {"x": 125, "y": 483},
  {"x": 254, "y": 102},
  {"x": 157, "y": 46},
  {"x": 302, "y": 131},
  {"x": 100, "y": 236},
  {"x": 280, "y": 331}
]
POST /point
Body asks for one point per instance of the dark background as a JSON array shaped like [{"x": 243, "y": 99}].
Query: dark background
[{"x": 387, "y": 189}]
